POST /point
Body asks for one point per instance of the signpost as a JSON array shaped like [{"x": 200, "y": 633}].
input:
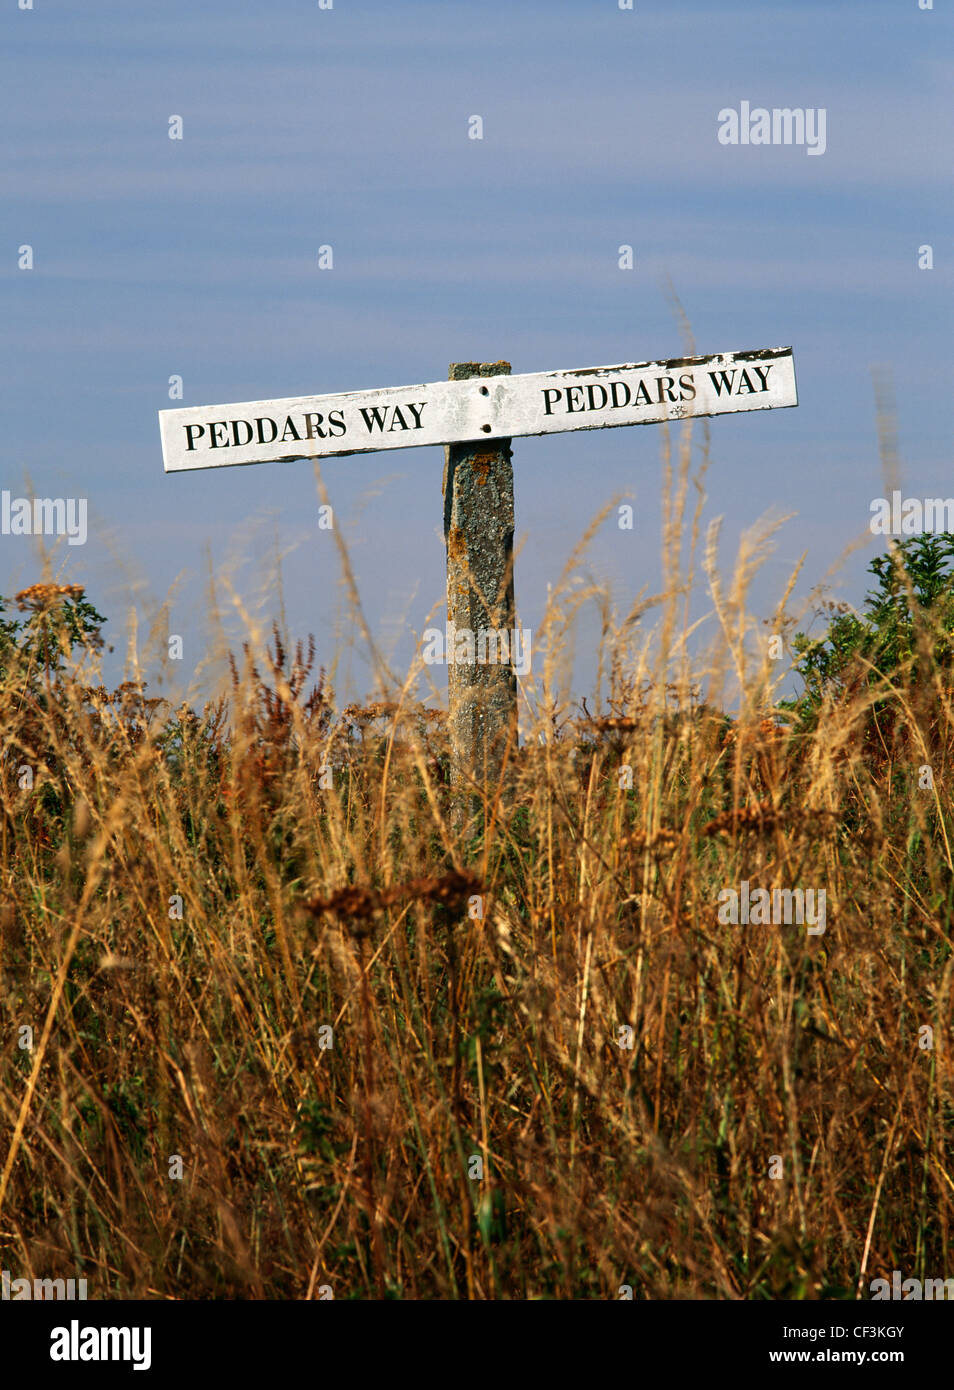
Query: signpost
[{"x": 475, "y": 414}]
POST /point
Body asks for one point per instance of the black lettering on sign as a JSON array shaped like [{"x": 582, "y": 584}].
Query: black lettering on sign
[
  {"x": 571, "y": 405},
  {"x": 548, "y": 404},
  {"x": 199, "y": 431},
  {"x": 665, "y": 388},
  {"x": 726, "y": 385},
  {"x": 642, "y": 396},
  {"x": 376, "y": 417},
  {"x": 338, "y": 425},
  {"x": 614, "y": 386},
  {"x": 214, "y": 441},
  {"x": 314, "y": 429},
  {"x": 261, "y": 420},
  {"x": 235, "y": 429},
  {"x": 686, "y": 383},
  {"x": 722, "y": 380},
  {"x": 290, "y": 426},
  {"x": 589, "y": 396}
]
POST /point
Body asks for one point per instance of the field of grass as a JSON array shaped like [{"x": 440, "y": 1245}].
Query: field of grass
[{"x": 404, "y": 1051}]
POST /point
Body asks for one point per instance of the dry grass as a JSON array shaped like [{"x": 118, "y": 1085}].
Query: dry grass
[{"x": 476, "y": 979}]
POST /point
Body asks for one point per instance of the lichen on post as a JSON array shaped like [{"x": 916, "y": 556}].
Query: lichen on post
[{"x": 478, "y": 533}]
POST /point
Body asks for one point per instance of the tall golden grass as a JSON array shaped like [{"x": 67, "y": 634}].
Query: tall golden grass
[{"x": 476, "y": 976}]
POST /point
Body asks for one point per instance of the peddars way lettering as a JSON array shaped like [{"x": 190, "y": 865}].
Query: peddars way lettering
[
  {"x": 614, "y": 395},
  {"x": 309, "y": 424}
]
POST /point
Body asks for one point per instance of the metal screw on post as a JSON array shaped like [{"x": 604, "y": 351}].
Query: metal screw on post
[{"x": 478, "y": 533}]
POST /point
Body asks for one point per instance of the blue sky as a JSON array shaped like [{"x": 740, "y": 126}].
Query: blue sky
[{"x": 349, "y": 127}]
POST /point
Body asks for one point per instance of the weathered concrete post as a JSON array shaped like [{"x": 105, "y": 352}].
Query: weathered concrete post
[{"x": 478, "y": 532}]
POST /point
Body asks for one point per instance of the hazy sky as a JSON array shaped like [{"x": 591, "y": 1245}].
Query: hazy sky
[{"x": 348, "y": 127}]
